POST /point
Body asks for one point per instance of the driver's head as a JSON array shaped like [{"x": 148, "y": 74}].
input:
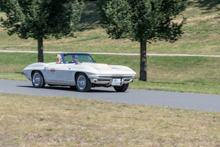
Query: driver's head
[{"x": 75, "y": 58}]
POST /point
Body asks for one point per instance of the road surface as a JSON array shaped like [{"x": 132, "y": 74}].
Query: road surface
[{"x": 204, "y": 102}]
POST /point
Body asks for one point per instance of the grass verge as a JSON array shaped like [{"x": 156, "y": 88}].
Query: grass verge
[
  {"x": 51, "y": 121},
  {"x": 177, "y": 87},
  {"x": 182, "y": 74}
]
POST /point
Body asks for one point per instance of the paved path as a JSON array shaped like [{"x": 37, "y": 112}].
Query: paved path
[
  {"x": 202, "y": 102},
  {"x": 128, "y": 54}
]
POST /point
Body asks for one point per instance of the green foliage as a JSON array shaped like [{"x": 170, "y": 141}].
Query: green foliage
[
  {"x": 101, "y": 4},
  {"x": 40, "y": 18},
  {"x": 144, "y": 21},
  {"x": 149, "y": 20}
]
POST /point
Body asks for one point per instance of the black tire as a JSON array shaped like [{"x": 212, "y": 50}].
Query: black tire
[
  {"x": 83, "y": 83},
  {"x": 73, "y": 87},
  {"x": 38, "y": 79},
  {"x": 122, "y": 88}
]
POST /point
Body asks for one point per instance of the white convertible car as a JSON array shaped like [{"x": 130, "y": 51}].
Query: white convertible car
[{"x": 79, "y": 70}]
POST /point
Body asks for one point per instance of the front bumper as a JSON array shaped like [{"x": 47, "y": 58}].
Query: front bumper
[
  {"x": 109, "y": 80},
  {"x": 26, "y": 75}
]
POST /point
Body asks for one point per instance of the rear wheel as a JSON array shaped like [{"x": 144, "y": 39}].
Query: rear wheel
[
  {"x": 121, "y": 88},
  {"x": 83, "y": 83},
  {"x": 37, "y": 79}
]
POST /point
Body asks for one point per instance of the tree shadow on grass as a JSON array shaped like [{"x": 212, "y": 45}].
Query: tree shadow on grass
[
  {"x": 89, "y": 18},
  {"x": 206, "y": 5}
]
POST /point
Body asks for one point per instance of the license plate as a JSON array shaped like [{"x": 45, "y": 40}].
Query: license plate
[{"x": 116, "y": 82}]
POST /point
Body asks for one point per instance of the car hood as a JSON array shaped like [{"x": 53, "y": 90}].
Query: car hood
[
  {"x": 110, "y": 69},
  {"x": 97, "y": 65}
]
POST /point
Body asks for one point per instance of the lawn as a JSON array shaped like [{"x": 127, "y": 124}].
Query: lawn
[
  {"x": 50, "y": 121},
  {"x": 183, "y": 74},
  {"x": 201, "y": 34}
]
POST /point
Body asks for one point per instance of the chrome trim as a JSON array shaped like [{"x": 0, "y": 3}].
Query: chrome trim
[{"x": 101, "y": 80}]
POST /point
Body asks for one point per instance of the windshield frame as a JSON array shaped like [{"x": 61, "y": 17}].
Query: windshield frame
[{"x": 71, "y": 54}]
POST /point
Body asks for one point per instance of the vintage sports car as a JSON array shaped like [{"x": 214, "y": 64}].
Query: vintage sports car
[{"x": 79, "y": 70}]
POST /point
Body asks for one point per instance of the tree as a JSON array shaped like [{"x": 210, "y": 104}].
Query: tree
[
  {"x": 40, "y": 19},
  {"x": 145, "y": 21}
]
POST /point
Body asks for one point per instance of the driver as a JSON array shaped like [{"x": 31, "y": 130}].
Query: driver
[{"x": 75, "y": 59}]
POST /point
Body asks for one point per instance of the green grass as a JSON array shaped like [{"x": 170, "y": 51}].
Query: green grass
[
  {"x": 183, "y": 74},
  {"x": 178, "y": 87},
  {"x": 201, "y": 34},
  {"x": 51, "y": 121}
]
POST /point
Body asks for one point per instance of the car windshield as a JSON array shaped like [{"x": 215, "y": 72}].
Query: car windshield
[{"x": 78, "y": 58}]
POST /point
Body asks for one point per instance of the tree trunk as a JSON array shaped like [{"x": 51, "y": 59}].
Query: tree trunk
[
  {"x": 143, "y": 61},
  {"x": 40, "y": 50}
]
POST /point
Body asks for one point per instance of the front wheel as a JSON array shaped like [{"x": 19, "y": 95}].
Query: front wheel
[
  {"x": 83, "y": 83},
  {"x": 38, "y": 80},
  {"x": 121, "y": 88}
]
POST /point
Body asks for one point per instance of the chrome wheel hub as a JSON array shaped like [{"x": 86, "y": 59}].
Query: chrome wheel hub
[
  {"x": 81, "y": 82},
  {"x": 36, "y": 79}
]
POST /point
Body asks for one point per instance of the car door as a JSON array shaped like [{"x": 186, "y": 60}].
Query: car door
[
  {"x": 53, "y": 73},
  {"x": 71, "y": 69},
  {"x": 59, "y": 74}
]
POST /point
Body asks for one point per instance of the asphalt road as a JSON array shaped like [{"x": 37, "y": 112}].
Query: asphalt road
[{"x": 204, "y": 102}]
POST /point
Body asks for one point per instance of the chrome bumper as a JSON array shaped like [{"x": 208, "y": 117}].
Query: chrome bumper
[
  {"x": 108, "y": 81},
  {"x": 26, "y": 75}
]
